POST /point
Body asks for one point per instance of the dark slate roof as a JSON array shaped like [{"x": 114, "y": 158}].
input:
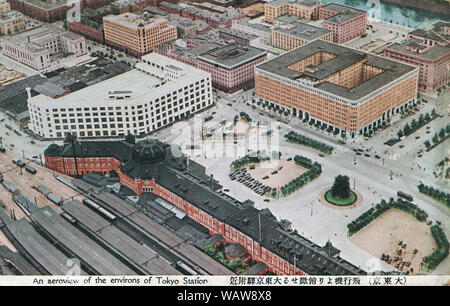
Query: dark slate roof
[
  {"x": 344, "y": 57},
  {"x": 173, "y": 174},
  {"x": 235, "y": 250},
  {"x": 18, "y": 261},
  {"x": 303, "y": 31},
  {"x": 256, "y": 269},
  {"x": 344, "y": 13}
]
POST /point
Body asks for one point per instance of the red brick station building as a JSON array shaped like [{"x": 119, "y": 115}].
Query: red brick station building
[{"x": 151, "y": 166}]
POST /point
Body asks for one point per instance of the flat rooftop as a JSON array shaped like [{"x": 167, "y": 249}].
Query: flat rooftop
[
  {"x": 304, "y": 31},
  {"x": 136, "y": 82},
  {"x": 232, "y": 55},
  {"x": 46, "y": 4},
  {"x": 134, "y": 21},
  {"x": 344, "y": 13},
  {"x": 279, "y": 3},
  {"x": 80, "y": 244},
  {"x": 432, "y": 53},
  {"x": 344, "y": 57}
]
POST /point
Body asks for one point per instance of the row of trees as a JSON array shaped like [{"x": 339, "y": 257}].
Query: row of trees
[
  {"x": 438, "y": 137},
  {"x": 410, "y": 128},
  {"x": 241, "y": 162},
  {"x": 242, "y": 115},
  {"x": 382, "y": 207},
  {"x": 436, "y": 194},
  {"x": 236, "y": 265},
  {"x": 314, "y": 171},
  {"x": 309, "y": 142},
  {"x": 441, "y": 252}
]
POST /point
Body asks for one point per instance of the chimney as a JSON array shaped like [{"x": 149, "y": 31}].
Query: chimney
[{"x": 28, "y": 89}]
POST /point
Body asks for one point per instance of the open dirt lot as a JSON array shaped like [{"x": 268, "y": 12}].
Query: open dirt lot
[
  {"x": 289, "y": 172},
  {"x": 383, "y": 235}
]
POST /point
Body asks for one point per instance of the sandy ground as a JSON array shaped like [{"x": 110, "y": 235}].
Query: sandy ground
[
  {"x": 241, "y": 129},
  {"x": 25, "y": 181},
  {"x": 289, "y": 172},
  {"x": 383, "y": 235}
]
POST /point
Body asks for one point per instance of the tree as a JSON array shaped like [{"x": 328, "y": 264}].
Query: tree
[
  {"x": 407, "y": 129},
  {"x": 442, "y": 133},
  {"x": 427, "y": 144},
  {"x": 400, "y": 134},
  {"x": 341, "y": 187}
]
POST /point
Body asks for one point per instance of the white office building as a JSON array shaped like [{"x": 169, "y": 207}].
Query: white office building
[
  {"x": 45, "y": 48},
  {"x": 158, "y": 92}
]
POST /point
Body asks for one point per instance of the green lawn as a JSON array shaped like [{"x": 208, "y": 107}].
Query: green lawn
[{"x": 340, "y": 202}]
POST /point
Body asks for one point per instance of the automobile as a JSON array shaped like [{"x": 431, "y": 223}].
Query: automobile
[
  {"x": 357, "y": 153},
  {"x": 252, "y": 167},
  {"x": 266, "y": 200},
  {"x": 289, "y": 159},
  {"x": 377, "y": 156},
  {"x": 265, "y": 177},
  {"x": 281, "y": 167},
  {"x": 274, "y": 172},
  {"x": 321, "y": 155},
  {"x": 401, "y": 146},
  {"x": 417, "y": 137},
  {"x": 226, "y": 190},
  {"x": 229, "y": 104},
  {"x": 367, "y": 155}
]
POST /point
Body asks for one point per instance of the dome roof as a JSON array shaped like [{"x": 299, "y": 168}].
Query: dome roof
[{"x": 149, "y": 152}]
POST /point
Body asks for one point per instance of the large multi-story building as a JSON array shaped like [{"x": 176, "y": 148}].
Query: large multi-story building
[
  {"x": 151, "y": 166},
  {"x": 428, "y": 49},
  {"x": 137, "y": 34},
  {"x": 44, "y": 48},
  {"x": 44, "y": 10},
  {"x": 263, "y": 32},
  {"x": 345, "y": 90},
  {"x": 11, "y": 22},
  {"x": 4, "y": 6},
  {"x": 305, "y": 9},
  {"x": 297, "y": 34},
  {"x": 345, "y": 22},
  {"x": 158, "y": 92},
  {"x": 231, "y": 65}
]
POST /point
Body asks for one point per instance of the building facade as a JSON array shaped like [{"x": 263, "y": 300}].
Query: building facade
[
  {"x": 345, "y": 22},
  {"x": 158, "y": 92},
  {"x": 428, "y": 49},
  {"x": 45, "y": 11},
  {"x": 135, "y": 34},
  {"x": 263, "y": 32},
  {"x": 344, "y": 90},
  {"x": 298, "y": 34},
  {"x": 231, "y": 65},
  {"x": 305, "y": 9},
  {"x": 150, "y": 167},
  {"x": 44, "y": 48},
  {"x": 11, "y": 22}
]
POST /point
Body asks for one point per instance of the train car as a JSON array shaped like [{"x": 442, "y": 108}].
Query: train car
[
  {"x": 30, "y": 169},
  {"x": 100, "y": 210},
  {"x": 405, "y": 196}
]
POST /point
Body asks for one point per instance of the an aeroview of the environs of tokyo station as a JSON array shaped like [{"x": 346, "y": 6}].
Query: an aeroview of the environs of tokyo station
[{"x": 225, "y": 137}]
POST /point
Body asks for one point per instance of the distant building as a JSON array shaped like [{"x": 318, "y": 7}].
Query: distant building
[
  {"x": 158, "y": 92},
  {"x": 234, "y": 35},
  {"x": 219, "y": 16},
  {"x": 43, "y": 10},
  {"x": 428, "y": 49},
  {"x": 187, "y": 26},
  {"x": 298, "y": 34},
  {"x": 44, "y": 48},
  {"x": 11, "y": 22},
  {"x": 306, "y": 9},
  {"x": 137, "y": 34},
  {"x": 263, "y": 32},
  {"x": 345, "y": 22},
  {"x": 336, "y": 87},
  {"x": 90, "y": 24},
  {"x": 231, "y": 65}
]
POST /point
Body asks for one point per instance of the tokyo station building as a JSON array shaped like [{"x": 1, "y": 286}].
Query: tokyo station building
[
  {"x": 151, "y": 166},
  {"x": 346, "y": 90}
]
